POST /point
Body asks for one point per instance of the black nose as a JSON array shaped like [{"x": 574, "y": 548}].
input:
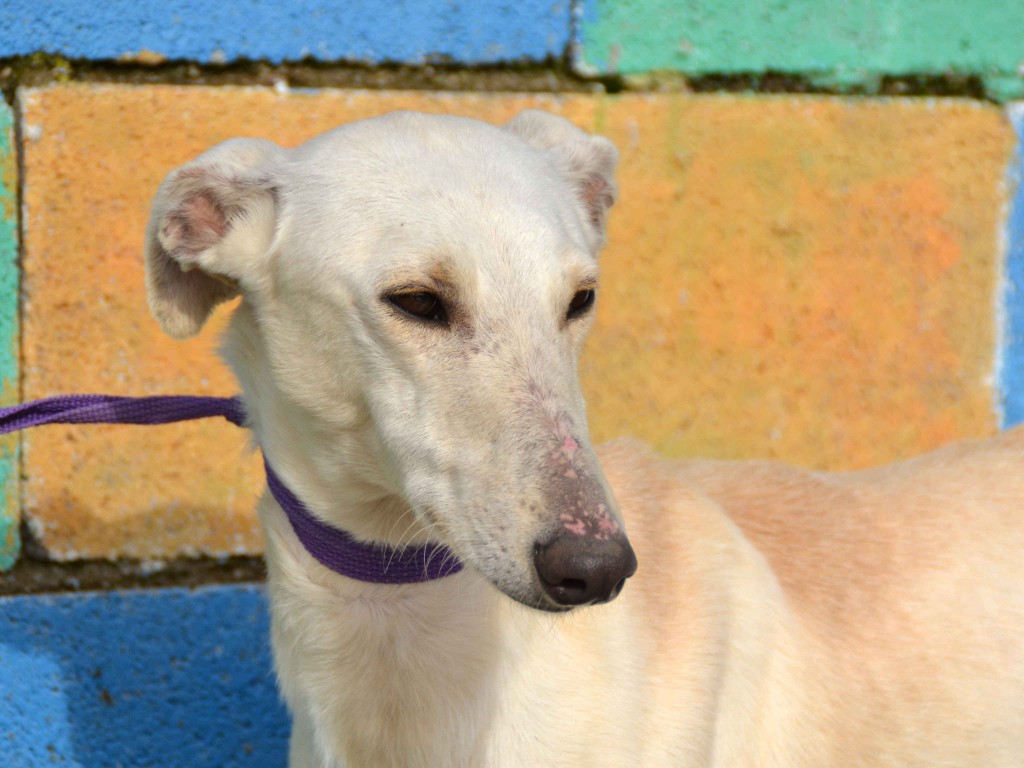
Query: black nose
[{"x": 577, "y": 570}]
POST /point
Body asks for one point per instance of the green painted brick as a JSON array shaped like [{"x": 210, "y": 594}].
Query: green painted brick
[
  {"x": 842, "y": 43},
  {"x": 9, "y": 348}
]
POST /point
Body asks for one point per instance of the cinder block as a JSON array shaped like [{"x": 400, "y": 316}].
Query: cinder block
[
  {"x": 151, "y": 31},
  {"x": 809, "y": 279},
  {"x": 834, "y": 44},
  {"x": 168, "y": 677},
  {"x": 10, "y": 503},
  {"x": 1011, "y": 359}
]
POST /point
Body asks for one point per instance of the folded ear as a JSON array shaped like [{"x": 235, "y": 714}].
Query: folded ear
[
  {"x": 587, "y": 161},
  {"x": 211, "y": 224}
]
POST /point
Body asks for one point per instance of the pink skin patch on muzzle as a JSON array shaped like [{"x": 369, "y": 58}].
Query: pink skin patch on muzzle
[
  {"x": 597, "y": 523},
  {"x": 584, "y": 507},
  {"x": 569, "y": 447}
]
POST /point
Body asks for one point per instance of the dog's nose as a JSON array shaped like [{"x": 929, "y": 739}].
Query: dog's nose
[{"x": 579, "y": 570}]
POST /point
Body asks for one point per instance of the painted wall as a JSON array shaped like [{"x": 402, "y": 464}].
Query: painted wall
[
  {"x": 163, "y": 678},
  {"x": 10, "y": 353},
  {"x": 830, "y": 280},
  {"x": 809, "y": 279},
  {"x": 1010, "y": 360},
  {"x": 816, "y": 285},
  {"x": 357, "y": 30},
  {"x": 833, "y": 43}
]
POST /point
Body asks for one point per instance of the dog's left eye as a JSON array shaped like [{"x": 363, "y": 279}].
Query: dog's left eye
[
  {"x": 581, "y": 303},
  {"x": 421, "y": 305}
]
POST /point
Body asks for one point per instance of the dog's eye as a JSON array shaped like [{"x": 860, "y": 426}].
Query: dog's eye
[
  {"x": 421, "y": 305},
  {"x": 581, "y": 303}
]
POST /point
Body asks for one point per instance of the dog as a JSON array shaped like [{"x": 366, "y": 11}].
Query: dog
[{"x": 415, "y": 291}]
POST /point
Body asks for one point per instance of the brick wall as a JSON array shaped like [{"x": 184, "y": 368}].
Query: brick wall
[{"x": 803, "y": 267}]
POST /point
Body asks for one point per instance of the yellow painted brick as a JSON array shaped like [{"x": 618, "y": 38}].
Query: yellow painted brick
[{"x": 803, "y": 278}]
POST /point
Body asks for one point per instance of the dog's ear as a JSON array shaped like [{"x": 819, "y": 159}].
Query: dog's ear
[
  {"x": 211, "y": 223},
  {"x": 587, "y": 161}
]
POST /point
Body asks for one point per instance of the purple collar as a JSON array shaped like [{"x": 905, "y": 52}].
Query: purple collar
[
  {"x": 376, "y": 563},
  {"x": 332, "y": 547}
]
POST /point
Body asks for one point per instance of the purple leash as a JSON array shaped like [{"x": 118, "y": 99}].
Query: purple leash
[{"x": 332, "y": 547}]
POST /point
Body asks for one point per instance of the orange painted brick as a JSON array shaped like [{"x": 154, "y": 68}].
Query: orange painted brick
[{"x": 802, "y": 278}]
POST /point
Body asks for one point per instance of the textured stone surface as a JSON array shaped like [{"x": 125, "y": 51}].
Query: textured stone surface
[
  {"x": 9, "y": 342},
  {"x": 1011, "y": 373},
  {"x": 810, "y": 279},
  {"x": 358, "y": 30},
  {"x": 150, "y": 678},
  {"x": 807, "y": 279},
  {"x": 834, "y": 43}
]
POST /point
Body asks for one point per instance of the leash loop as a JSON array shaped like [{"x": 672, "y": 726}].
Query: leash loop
[
  {"x": 110, "y": 409},
  {"x": 332, "y": 547}
]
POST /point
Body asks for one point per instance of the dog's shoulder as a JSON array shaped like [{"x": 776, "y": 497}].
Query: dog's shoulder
[
  {"x": 771, "y": 499},
  {"x": 839, "y": 540}
]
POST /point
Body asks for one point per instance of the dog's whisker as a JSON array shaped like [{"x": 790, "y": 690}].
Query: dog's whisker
[
  {"x": 399, "y": 518},
  {"x": 413, "y": 528},
  {"x": 447, "y": 558},
  {"x": 402, "y": 542}
]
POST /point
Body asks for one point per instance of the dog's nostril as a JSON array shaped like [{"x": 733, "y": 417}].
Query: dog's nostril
[
  {"x": 571, "y": 586},
  {"x": 575, "y": 571},
  {"x": 617, "y": 589}
]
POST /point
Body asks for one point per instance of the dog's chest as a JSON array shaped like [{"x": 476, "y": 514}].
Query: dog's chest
[{"x": 401, "y": 682}]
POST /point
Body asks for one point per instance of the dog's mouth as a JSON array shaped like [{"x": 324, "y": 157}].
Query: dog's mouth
[
  {"x": 540, "y": 600},
  {"x": 567, "y": 573},
  {"x": 542, "y": 603},
  {"x": 571, "y": 565}
]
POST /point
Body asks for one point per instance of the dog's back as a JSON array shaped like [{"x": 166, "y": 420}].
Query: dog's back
[{"x": 897, "y": 619}]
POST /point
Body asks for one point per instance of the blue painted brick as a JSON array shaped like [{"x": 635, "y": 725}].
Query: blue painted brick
[
  {"x": 1011, "y": 375},
  {"x": 170, "y": 677},
  {"x": 363, "y": 30}
]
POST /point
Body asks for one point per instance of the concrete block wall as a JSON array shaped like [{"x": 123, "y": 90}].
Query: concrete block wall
[
  {"x": 10, "y": 338},
  {"x": 365, "y": 31},
  {"x": 170, "y": 677},
  {"x": 833, "y": 278},
  {"x": 845, "y": 45}
]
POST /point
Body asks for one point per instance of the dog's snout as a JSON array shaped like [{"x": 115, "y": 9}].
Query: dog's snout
[{"x": 582, "y": 571}]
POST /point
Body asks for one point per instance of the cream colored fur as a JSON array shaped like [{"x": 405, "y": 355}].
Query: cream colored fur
[{"x": 778, "y": 617}]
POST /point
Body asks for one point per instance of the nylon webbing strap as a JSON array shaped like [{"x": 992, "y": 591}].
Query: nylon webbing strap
[{"x": 332, "y": 547}]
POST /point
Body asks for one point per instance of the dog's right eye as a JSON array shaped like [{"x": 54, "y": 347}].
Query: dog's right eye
[
  {"x": 421, "y": 305},
  {"x": 581, "y": 303}
]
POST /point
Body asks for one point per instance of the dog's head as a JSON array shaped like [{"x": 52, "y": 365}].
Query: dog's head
[{"x": 416, "y": 291}]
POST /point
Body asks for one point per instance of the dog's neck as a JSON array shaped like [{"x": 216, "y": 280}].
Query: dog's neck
[
  {"x": 373, "y": 562},
  {"x": 325, "y": 456},
  {"x": 401, "y": 663},
  {"x": 321, "y": 476}
]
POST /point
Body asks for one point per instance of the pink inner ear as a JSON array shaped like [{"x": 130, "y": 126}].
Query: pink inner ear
[
  {"x": 597, "y": 195},
  {"x": 199, "y": 223}
]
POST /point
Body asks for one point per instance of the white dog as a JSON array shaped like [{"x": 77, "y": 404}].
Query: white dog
[{"x": 415, "y": 293}]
